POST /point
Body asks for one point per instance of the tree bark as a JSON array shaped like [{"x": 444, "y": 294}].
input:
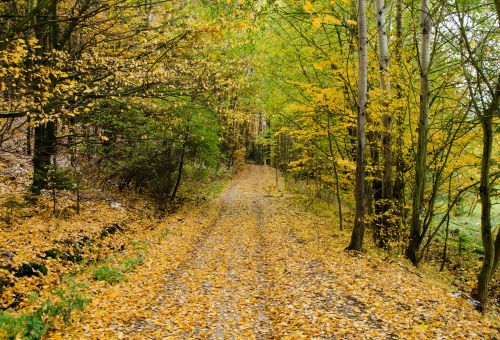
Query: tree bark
[
  {"x": 44, "y": 148},
  {"x": 398, "y": 190},
  {"x": 491, "y": 248},
  {"x": 28, "y": 136},
  {"x": 383, "y": 224},
  {"x": 45, "y": 133},
  {"x": 421, "y": 155},
  {"x": 447, "y": 232},
  {"x": 359, "y": 220},
  {"x": 181, "y": 165}
]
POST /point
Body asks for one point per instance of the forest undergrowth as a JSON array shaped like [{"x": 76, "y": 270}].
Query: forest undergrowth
[
  {"x": 253, "y": 261},
  {"x": 48, "y": 256}
]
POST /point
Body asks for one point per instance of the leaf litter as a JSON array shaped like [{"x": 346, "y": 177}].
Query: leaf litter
[{"x": 254, "y": 264}]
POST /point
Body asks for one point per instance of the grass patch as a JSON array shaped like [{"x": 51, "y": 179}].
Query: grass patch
[
  {"x": 108, "y": 275},
  {"x": 140, "y": 245},
  {"x": 215, "y": 188},
  {"x": 129, "y": 264},
  {"x": 36, "y": 324}
]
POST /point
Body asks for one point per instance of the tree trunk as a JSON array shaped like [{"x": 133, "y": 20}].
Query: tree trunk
[
  {"x": 491, "y": 248},
  {"x": 385, "y": 206},
  {"x": 447, "y": 232},
  {"x": 398, "y": 190},
  {"x": 359, "y": 220},
  {"x": 421, "y": 156},
  {"x": 28, "y": 136},
  {"x": 45, "y": 134},
  {"x": 336, "y": 175},
  {"x": 181, "y": 165},
  {"x": 44, "y": 149}
]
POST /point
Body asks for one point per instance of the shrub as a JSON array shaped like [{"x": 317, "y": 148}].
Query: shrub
[
  {"x": 149, "y": 148},
  {"x": 35, "y": 325}
]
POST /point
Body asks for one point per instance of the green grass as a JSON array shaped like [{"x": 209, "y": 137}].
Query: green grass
[
  {"x": 108, "y": 275},
  {"x": 215, "y": 188},
  {"x": 129, "y": 264},
  {"x": 36, "y": 324},
  {"x": 465, "y": 224}
]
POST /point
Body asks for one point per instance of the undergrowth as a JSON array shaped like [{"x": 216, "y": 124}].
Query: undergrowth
[
  {"x": 108, "y": 275},
  {"x": 36, "y": 324}
]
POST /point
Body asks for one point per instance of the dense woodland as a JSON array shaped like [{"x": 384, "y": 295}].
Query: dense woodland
[{"x": 384, "y": 112}]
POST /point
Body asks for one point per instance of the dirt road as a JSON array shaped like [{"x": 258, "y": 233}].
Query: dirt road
[{"x": 255, "y": 264}]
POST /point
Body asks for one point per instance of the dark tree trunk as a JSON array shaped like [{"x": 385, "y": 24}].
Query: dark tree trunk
[
  {"x": 181, "y": 166},
  {"x": 45, "y": 133},
  {"x": 179, "y": 175},
  {"x": 45, "y": 144},
  {"x": 491, "y": 249},
  {"x": 443, "y": 262},
  {"x": 358, "y": 231},
  {"x": 28, "y": 136},
  {"x": 416, "y": 233}
]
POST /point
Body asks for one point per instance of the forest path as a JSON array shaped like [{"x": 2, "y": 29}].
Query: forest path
[{"x": 255, "y": 264}]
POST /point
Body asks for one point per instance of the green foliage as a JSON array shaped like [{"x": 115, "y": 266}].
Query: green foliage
[
  {"x": 66, "y": 304},
  {"x": 142, "y": 146},
  {"x": 28, "y": 326},
  {"x": 12, "y": 203},
  {"x": 108, "y": 275},
  {"x": 35, "y": 325},
  {"x": 129, "y": 264},
  {"x": 60, "y": 178}
]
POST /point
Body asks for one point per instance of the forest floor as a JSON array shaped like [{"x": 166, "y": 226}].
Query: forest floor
[{"x": 255, "y": 264}]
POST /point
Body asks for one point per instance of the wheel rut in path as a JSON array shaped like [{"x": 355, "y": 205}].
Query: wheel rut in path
[
  {"x": 256, "y": 264},
  {"x": 219, "y": 291}
]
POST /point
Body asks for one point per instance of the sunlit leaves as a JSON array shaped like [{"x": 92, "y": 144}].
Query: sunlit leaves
[{"x": 308, "y": 7}]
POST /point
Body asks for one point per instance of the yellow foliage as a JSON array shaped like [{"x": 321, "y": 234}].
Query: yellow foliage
[{"x": 308, "y": 7}]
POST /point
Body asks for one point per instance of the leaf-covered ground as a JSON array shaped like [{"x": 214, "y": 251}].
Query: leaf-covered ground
[{"x": 256, "y": 264}]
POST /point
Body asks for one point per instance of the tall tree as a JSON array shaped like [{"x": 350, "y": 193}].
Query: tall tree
[
  {"x": 491, "y": 247},
  {"x": 360, "y": 218},
  {"x": 384, "y": 207},
  {"x": 45, "y": 132},
  {"x": 483, "y": 83},
  {"x": 416, "y": 234}
]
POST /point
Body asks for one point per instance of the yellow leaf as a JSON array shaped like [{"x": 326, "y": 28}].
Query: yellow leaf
[
  {"x": 328, "y": 19},
  {"x": 308, "y": 7},
  {"x": 316, "y": 22}
]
